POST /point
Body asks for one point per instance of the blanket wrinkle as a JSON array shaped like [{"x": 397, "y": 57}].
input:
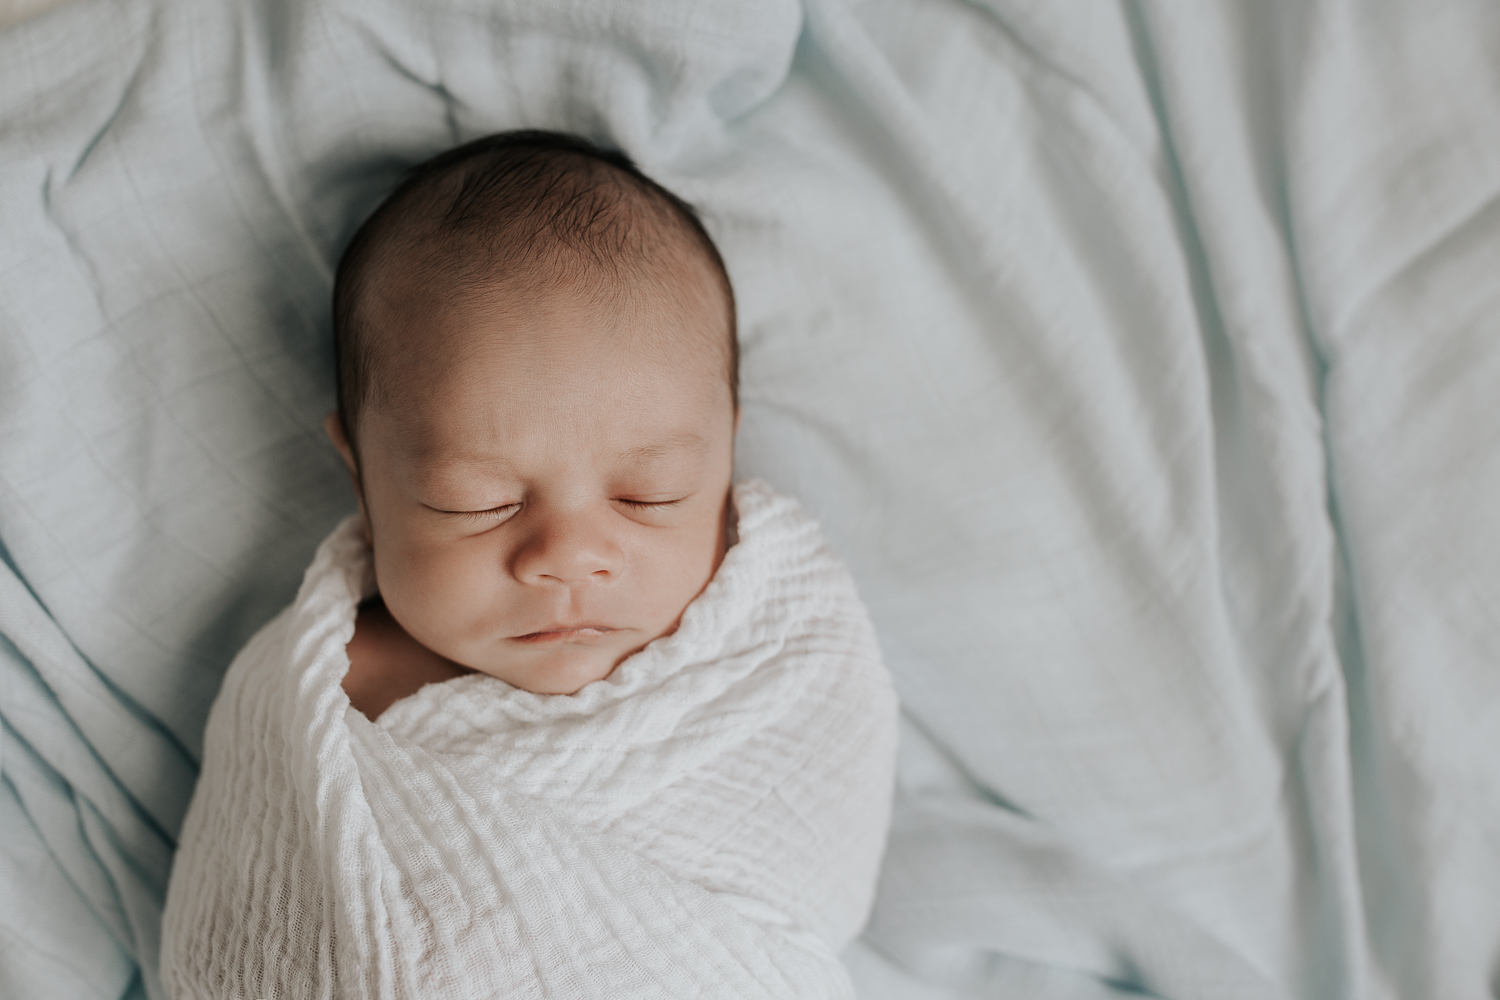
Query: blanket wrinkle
[{"x": 705, "y": 821}]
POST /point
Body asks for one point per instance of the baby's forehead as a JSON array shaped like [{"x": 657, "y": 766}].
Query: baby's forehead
[
  {"x": 675, "y": 303},
  {"x": 496, "y": 390},
  {"x": 575, "y": 335}
]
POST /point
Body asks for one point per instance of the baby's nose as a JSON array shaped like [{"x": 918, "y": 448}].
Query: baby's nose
[{"x": 567, "y": 549}]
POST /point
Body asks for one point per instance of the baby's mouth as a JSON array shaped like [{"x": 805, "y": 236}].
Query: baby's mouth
[{"x": 564, "y": 633}]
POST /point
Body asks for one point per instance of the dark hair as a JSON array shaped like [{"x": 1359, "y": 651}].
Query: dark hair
[{"x": 528, "y": 199}]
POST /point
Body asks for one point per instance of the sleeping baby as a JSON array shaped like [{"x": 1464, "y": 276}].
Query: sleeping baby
[{"x": 561, "y": 712}]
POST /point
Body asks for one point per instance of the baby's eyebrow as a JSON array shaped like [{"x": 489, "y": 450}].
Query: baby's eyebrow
[{"x": 687, "y": 440}]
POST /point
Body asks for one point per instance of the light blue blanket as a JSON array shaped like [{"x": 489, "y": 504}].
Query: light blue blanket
[{"x": 1140, "y": 358}]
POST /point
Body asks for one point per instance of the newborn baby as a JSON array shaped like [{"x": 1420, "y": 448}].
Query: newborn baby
[{"x": 560, "y": 713}]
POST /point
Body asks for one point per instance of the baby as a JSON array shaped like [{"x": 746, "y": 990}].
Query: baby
[{"x": 562, "y": 713}]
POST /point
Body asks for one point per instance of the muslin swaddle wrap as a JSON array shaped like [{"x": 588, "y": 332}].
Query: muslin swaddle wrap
[{"x": 705, "y": 822}]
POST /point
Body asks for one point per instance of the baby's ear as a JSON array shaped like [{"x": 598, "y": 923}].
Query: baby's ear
[{"x": 333, "y": 426}]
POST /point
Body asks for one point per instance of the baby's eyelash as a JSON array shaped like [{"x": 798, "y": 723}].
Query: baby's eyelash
[
  {"x": 651, "y": 505},
  {"x": 504, "y": 510},
  {"x": 489, "y": 514}
]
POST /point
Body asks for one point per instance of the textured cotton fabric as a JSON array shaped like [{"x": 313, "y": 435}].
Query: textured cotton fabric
[{"x": 704, "y": 822}]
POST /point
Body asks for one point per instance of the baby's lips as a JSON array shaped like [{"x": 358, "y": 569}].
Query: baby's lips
[{"x": 559, "y": 632}]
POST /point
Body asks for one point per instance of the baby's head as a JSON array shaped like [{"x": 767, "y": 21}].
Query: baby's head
[{"x": 537, "y": 371}]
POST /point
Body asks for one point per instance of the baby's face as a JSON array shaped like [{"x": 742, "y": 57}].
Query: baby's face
[{"x": 551, "y": 492}]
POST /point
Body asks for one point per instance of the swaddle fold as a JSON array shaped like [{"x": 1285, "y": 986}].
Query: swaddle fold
[{"x": 705, "y": 822}]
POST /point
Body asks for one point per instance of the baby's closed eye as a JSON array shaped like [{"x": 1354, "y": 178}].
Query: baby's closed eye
[
  {"x": 495, "y": 514},
  {"x": 650, "y": 504}
]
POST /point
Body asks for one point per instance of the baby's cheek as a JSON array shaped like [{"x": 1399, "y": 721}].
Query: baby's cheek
[
  {"x": 424, "y": 591},
  {"x": 686, "y": 571}
]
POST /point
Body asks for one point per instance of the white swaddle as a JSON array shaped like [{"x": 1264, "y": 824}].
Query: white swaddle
[{"x": 706, "y": 821}]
